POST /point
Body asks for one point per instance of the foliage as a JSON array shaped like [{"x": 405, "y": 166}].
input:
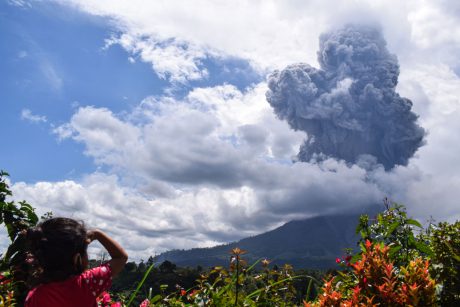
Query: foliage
[
  {"x": 218, "y": 285},
  {"x": 6, "y": 290},
  {"x": 374, "y": 281},
  {"x": 444, "y": 240},
  {"x": 167, "y": 286},
  {"x": 438, "y": 242},
  {"x": 16, "y": 217},
  {"x": 239, "y": 285},
  {"x": 393, "y": 228}
]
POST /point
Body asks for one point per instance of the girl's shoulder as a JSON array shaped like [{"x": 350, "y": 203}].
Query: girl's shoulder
[
  {"x": 56, "y": 294},
  {"x": 97, "y": 279},
  {"x": 81, "y": 290}
]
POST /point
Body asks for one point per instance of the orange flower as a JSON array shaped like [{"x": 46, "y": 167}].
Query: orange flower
[
  {"x": 368, "y": 244},
  {"x": 265, "y": 262},
  {"x": 237, "y": 251}
]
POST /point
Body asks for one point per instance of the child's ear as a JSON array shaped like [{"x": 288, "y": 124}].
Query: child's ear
[{"x": 77, "y": 262}]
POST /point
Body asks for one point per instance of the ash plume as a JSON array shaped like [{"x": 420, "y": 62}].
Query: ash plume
[{"x": 348, "y": 108}]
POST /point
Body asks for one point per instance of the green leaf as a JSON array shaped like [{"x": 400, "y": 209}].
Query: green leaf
[
  {"x": 155, "y": 299},
  {"x": 453, "y": 254},
  {"x": 363, "y": 248},
  {"x": 310, "y": 284},
  {"x": 274, "y": 284},
  {"x": 254, "y": 264},
  {"x": 422, "y": 247},
  {"x": 355, "y": 258},
  {"x": 139, "y": 285},
  {"x": 414, "y": 222},
  {"x": 392, "y": 228},
  {"x": 394, "y": 250}
]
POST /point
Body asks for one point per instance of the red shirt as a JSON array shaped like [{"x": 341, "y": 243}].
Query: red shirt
[{"x": 80, "y": 290}]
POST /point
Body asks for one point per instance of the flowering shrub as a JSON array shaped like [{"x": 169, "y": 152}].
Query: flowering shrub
[
  {"x": 237, "y": 286},
  {"x": 374, "y": 281},
  {"x": 6, "y": 291}
]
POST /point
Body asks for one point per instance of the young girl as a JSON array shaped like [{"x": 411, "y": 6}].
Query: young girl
[{"x": 58, "y": 248}]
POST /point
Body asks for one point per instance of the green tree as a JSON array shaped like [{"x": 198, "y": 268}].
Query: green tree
[
  {"x": 17, "y": 218},
  {"x": 167, "y": 267},
  {"x": 395, "y": 229}
]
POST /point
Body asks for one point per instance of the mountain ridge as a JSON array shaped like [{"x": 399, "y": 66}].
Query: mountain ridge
[{"x": 312, "y": 243}]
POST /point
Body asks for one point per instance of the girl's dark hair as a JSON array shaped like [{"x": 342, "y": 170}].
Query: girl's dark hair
[{"x": 53, "y": 244}]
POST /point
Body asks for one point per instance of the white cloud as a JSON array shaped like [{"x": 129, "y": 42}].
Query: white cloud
[
  {"x": 147, "y": 224},
  {"x": 215, "y": 131},
  {"x": 19, "y": 3},
  {"x": 26, "y": 114},
  {"x": 436, "y": 31},
  {"x": 269, "y": 34},
  {"x": 171, "y": 34},
  {"x": 170, "y": 59},
  {"x": 433, "y": 192},
  {"x": 219, "y": 155},
  {"x": 222, "y": 156},
  {"x": 103, "y": 133}
]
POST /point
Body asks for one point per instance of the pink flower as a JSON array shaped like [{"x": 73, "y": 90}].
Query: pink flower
[
  {"x": 337, "y": 260},
  {"x": 145, "y": 303},
  {"x": 106, "y": 298},
  {"x": 116, "y": 304}
]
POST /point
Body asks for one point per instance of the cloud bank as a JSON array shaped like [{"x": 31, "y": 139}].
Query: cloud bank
[{"x": 219, "y": 155}]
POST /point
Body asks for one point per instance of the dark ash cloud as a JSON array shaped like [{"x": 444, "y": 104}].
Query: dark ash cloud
[{"x": 348, "y": 107}]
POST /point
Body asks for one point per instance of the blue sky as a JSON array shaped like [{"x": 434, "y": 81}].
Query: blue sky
[
  {"x": 150, "y": 119},
  {"x": 55, "y": 61}
]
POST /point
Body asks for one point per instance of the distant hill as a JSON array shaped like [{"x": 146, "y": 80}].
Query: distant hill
[{"x": 311, "y": 243}]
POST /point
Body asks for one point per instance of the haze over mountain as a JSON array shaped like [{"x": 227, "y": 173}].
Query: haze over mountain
[{"x": 312, "y": 243}]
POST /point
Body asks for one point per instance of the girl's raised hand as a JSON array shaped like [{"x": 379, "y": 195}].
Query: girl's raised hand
[
  {"x": 90, "y": 236},
  {"x": 116, "y": 252}
]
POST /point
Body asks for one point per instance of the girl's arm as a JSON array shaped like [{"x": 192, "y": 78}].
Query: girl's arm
[{"x": 116, "y": 252}]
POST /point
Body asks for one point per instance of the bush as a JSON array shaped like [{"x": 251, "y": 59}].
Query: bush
[
  {"x": 16, "y": 217},
  {"x": 374, "y": 281},
  {"x": 444, "y": 240}
]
